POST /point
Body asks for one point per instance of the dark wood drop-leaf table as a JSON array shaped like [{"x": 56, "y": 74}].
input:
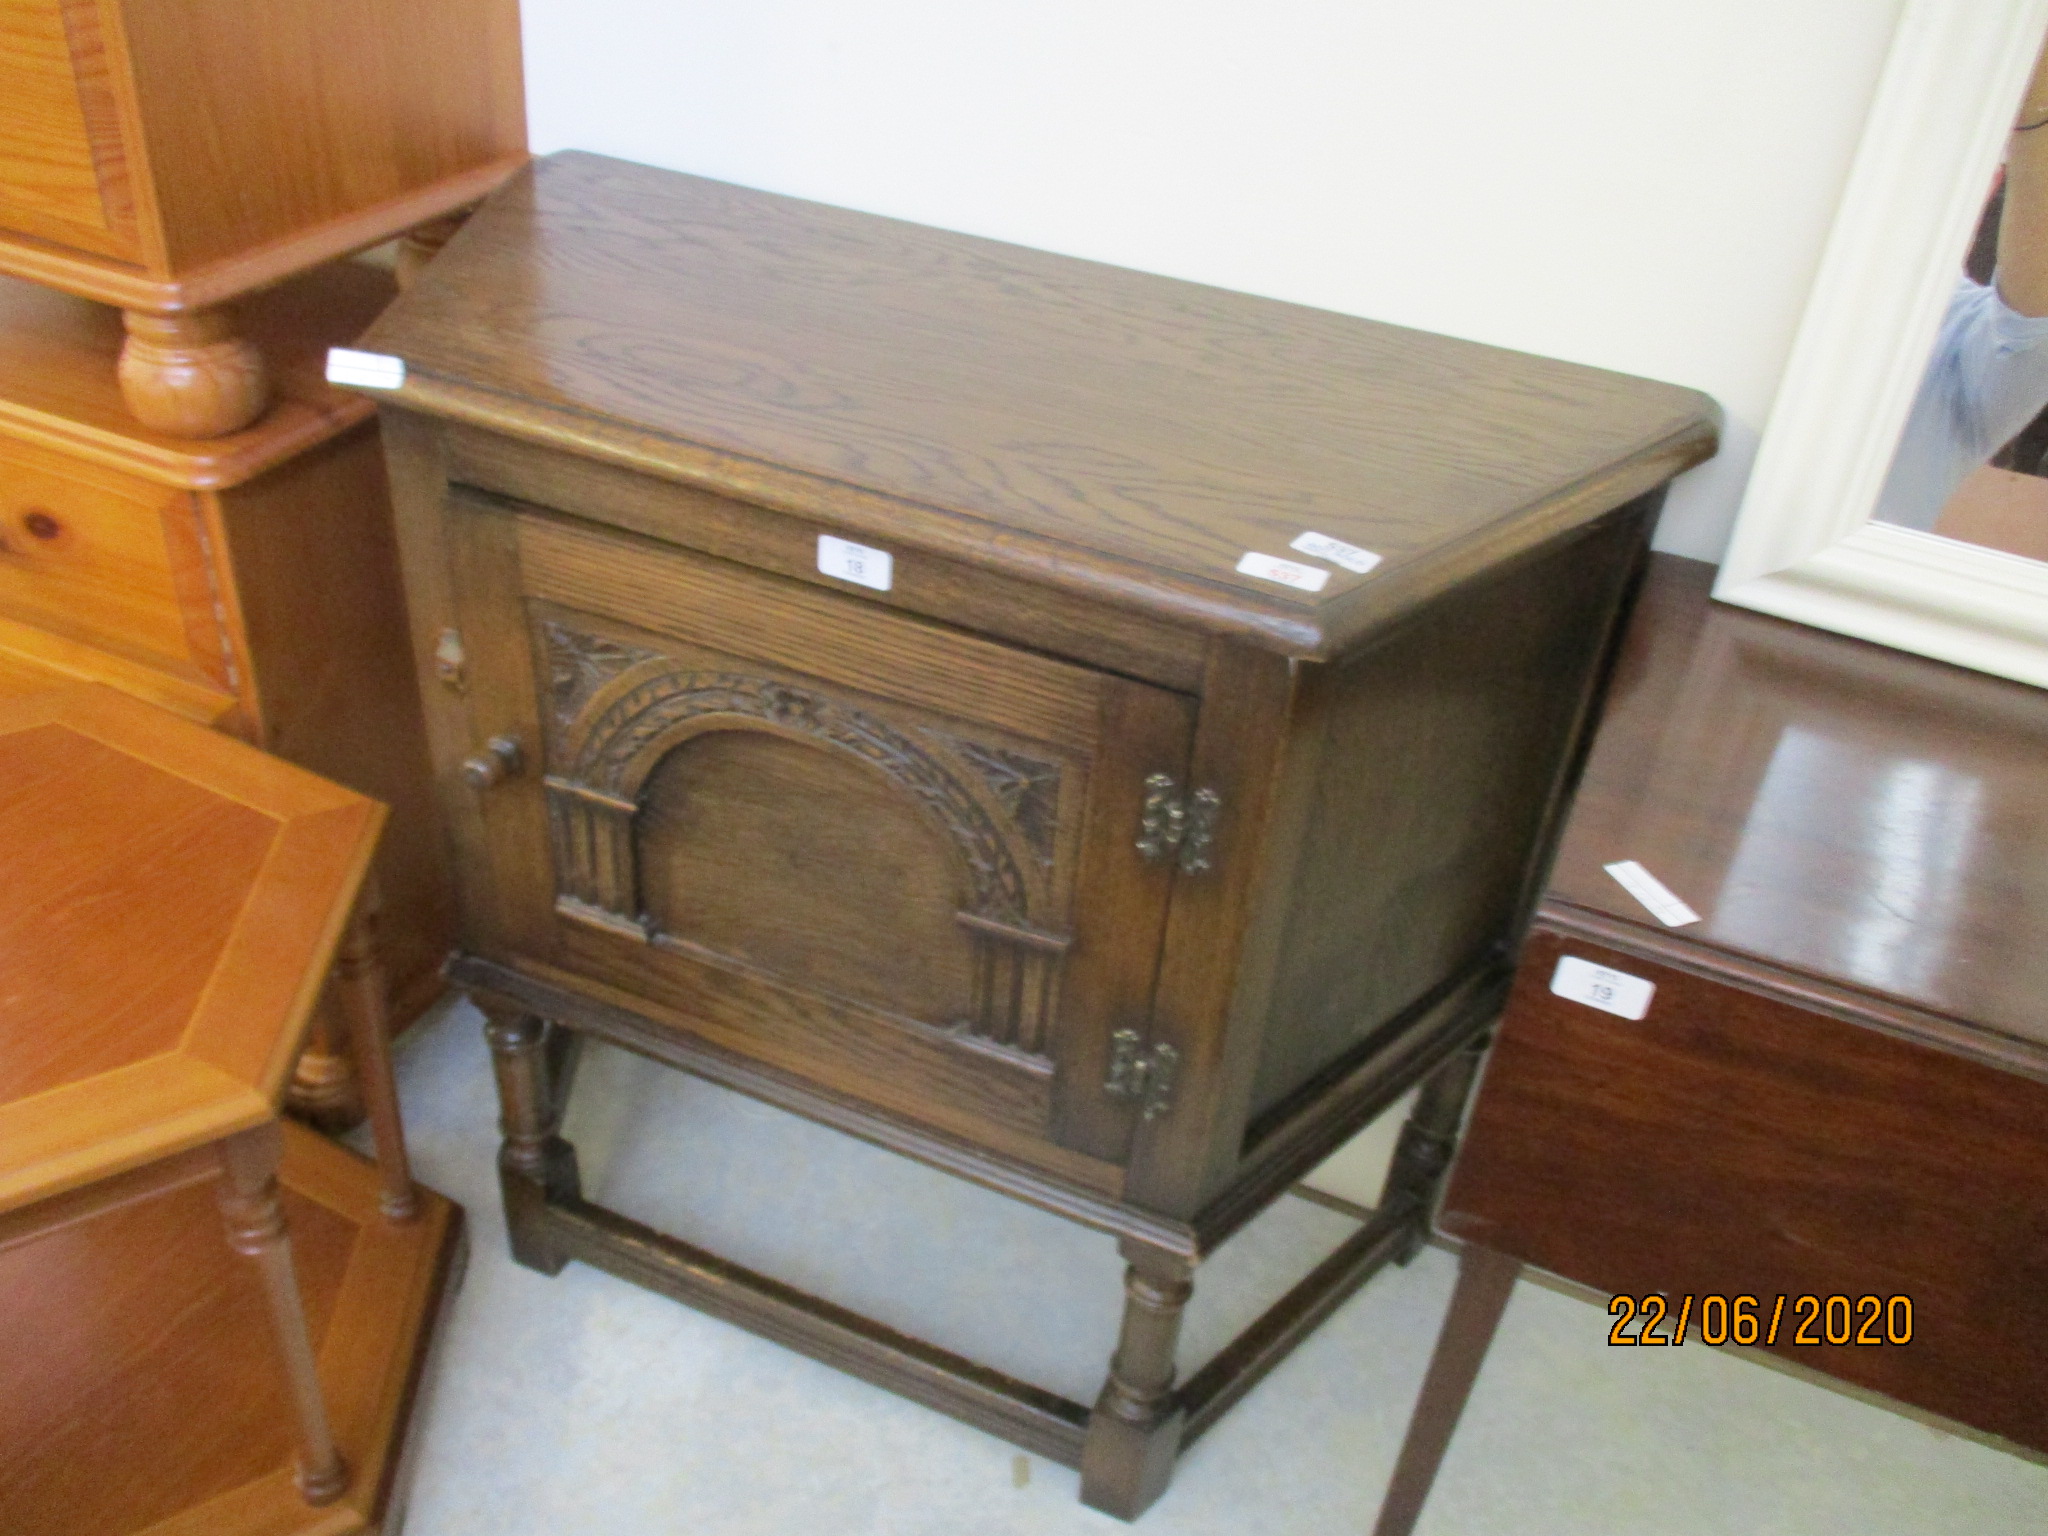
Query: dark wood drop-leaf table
[{"x": 1094, "y": 733}]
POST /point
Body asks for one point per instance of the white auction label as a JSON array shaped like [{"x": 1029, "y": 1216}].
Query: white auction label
[
  {"x": 1614, "y": 992},
  {"x": 1653, "y": 893},
  {"x": 1336, "y": 551},
  {"x": 365, "y": 370},
  {"x": 856, "y": 563},
  {"x": 1287, "y": 572}
]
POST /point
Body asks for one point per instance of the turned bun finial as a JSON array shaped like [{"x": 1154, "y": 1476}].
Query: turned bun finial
[{"x": 189, "y": 375}]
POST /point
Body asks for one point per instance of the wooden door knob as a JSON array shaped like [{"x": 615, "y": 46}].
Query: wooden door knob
[{"x": 500, "y": 760}]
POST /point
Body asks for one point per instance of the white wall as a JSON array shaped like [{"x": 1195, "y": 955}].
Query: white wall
[{"x": 1636, "y": 184}]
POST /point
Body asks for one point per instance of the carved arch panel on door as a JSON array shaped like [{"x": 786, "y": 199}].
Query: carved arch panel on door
[{"x": 618, "y": 710}]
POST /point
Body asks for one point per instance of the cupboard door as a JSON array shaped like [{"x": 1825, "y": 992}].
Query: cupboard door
[{"x": 889, "y": 857}]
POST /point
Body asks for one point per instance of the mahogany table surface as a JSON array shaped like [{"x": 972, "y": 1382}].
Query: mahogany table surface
[
  {"x": 1827, "y": 805},
  {"x": 1837, "y": 1092}
]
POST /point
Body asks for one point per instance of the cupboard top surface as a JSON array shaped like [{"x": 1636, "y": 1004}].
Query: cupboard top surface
[{"x": 1103, "y": 430}]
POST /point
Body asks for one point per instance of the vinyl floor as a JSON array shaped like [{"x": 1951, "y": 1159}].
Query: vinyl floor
[{"x": 584, "y": 1406}]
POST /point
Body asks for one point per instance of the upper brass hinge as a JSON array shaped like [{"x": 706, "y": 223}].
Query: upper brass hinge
[
  {"x": 1136, "y": 1073},
  {"x": 1167, "y": 823}
]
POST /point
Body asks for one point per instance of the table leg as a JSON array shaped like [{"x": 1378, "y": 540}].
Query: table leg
[
  {"x": 255, "y": 1224},
  {"x": 534, "y": 1163},
  {"x": 360, "y": 983},
  {"x": 1486, "y": 1278},
  {"x": 1134, "y": 1433}
]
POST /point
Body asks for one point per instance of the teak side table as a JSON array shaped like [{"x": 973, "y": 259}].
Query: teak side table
[
  {"x": 174, "y": 903},
  {"x": 845, "y": 685}
]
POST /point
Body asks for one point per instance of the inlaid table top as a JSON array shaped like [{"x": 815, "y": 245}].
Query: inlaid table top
[{"x": 170, "y": 902}]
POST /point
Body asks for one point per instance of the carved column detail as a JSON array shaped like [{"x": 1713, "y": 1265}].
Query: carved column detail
[
  {"x": 1016, "y": 982},
  {"x": 596, "y": 878}
]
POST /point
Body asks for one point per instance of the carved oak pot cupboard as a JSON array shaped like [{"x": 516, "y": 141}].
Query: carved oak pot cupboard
[{"x": 1027, "y": 837}]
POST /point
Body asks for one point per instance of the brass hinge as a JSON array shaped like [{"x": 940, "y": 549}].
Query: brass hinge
[
  {"x": 1167, "y": 823},
  {"x": 1136, "y": 1073}
]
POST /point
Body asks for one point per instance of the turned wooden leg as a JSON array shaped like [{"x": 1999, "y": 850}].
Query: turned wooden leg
[
  {"x": 248, "y": 1202},
  {"x": 1422, "y": 1157},
  {"x": 361, "y": 986},
  {"x": 534, "y": 1163},
  {"x": 423, "y": 243},
  {"x": 324, "y": 1091},
  {"x": 1134, "y": 1433},
  {"x": 1486, "y": 1277},
  {"x": 190, "y": 375}
]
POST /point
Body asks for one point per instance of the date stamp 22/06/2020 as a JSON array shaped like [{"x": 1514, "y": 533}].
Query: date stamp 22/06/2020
[{"x": 1652, "y": 1319}]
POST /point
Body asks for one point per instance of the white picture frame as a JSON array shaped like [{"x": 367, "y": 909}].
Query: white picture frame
[{"x": 1804, "y": 546}]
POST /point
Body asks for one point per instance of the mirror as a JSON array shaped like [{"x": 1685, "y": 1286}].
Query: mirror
[
  {"x": 1972, "y": 462},
  {"x": 1901, "y": 490}
]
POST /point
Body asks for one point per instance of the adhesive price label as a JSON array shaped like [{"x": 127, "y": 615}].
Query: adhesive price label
[
  {"x": 1653, "y": 893},
  {"x": 1336, "y": 551},
  {"x": 856, "y": 563},
  {"x": 365, "y": 370},
  {"x": 1596, "y": 986},
  {"x": 1288, "y": 573}
]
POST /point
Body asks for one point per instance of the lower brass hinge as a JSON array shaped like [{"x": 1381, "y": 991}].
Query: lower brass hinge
[{"x": 1136, "y": 1073}]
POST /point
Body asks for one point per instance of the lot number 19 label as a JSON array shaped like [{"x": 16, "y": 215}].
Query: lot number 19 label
[{"x": 1614, "y": 992}]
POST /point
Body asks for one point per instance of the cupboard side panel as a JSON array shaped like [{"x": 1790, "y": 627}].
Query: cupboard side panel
[{"x": 1446, "y": 751}]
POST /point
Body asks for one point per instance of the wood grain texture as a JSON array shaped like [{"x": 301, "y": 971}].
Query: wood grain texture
[
  {"x": 1440, "y": 754},
  {"x": 964, "y": 596},
  {"x": 250, "y": 580},
  {"x": 143, "y": 1388},
  {"x": 58, "y": 388},
  {"x": 55, "y": 181},
  {"x": 169, "y": 156},
  {"x": 1737, "y": 1143},
  {"x": 33, "y": 660},
  {"x": 79, "y": 913},
  {"x": 189, "y": 375},
  {"x": 829, "y": 837},
  {"x": 109, "y": 558},
  {"x": 312, "y": 572},
  {"x": 262, "y": 124},
  {"x": 225, "y": 959},
  {"x": 1022, "y": 863},
  {"x": 1841, "y": 1086},
  {"x": 1133, "y": 436},
  {"x": 1869, "y": 818}
]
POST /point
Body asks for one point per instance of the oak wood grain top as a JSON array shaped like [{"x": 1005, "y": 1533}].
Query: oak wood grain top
[
  {"x": 1872, "y": 819},
  {"x": 1098, "y": 429},
  {"x": 171, "y": 903},
  {"x": 58, "y": 387}
]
